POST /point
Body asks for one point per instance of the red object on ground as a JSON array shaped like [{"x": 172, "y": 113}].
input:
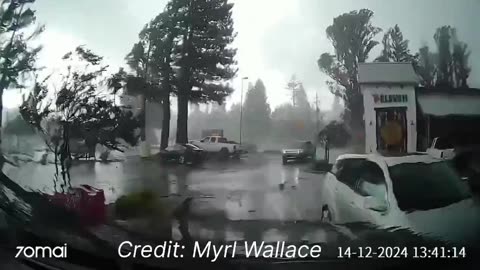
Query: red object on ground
[{"x": 88, "y": 202}]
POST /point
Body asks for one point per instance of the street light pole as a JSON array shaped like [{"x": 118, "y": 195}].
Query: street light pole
[{"x": 241, "y": 108}]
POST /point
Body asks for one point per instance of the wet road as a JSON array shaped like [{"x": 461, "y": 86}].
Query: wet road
[{"x": 254, "y": 198}]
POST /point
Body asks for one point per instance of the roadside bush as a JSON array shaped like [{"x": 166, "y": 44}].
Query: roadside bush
[{"x": 137, "y": 205}]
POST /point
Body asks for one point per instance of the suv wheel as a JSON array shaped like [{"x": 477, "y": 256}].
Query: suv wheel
[{"x": 223, "y": 155}]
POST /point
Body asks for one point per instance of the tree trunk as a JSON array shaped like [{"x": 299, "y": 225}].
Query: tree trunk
[
  {"x": 143, "y": 117},
  {"x": 184, "y": 92},
  {"x": 165, "y": 122},
  {"x": 182, "y": 119}
]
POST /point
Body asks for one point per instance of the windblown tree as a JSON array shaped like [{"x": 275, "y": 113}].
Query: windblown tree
[
  {"x": 460, "y": 66},
  {"x": 303, "y": 108},
  {"x": 75, "y": 102},
  {"x": 448, "y": 67},
  {"x": 151, "y": 60},
  {"x": 395, "y": 47},
  {"x": 164, "y": 31},
  {"x": 386, "y": 53},
  {"x": 443, "y": 37},
  {"x": 139, "y": 59},
  {"x": 293, "y": 85},
  {"x": 257, "y": 113},
  {"x": 352, "y": 36},
  {"x": 17, "y": 57},
  {"x": 204, "y": 56},
  {"x": 425, "y": 67}
]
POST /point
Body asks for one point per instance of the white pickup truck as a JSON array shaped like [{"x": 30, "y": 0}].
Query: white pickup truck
[{"x": 218, "y": 144}]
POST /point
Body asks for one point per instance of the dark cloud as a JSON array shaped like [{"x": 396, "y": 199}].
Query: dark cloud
[
  {"x": 290, "y": 45},
  {"x": 108, "y": 26},
  {"x": 295, "y": 43}
]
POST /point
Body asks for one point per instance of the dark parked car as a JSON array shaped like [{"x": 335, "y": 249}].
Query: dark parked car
[
  {"x": 299, "y": 151},
  {"x": 183, "y": 154}
]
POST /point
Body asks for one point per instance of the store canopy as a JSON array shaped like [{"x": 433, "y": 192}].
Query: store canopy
[{"x": 444, "y": 105}]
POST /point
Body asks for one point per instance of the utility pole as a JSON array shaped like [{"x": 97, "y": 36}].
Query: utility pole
[
  {"x": 241, "y": 108},
  {"x": 317, "y": 112}
]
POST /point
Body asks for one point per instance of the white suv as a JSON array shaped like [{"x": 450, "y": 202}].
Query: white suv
[{"x": 415, "y": 191}]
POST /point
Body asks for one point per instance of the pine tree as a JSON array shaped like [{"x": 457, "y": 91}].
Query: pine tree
[
  {"x": 151, "y": 60},
  {"x": 257, "y": 112},
  {"x": 399, "y": 46},
  {"x": 386, "y": 53},
  {"x": 292, "y": 85},
  {"x": 395, "y": 47},
  {"x": 352, "y": 36},
  {"x": 460, "y": 65},
  {"x": 425, "y": 67},
  {"x": 443, "y": 37},
  {"x": 204, "y": 57}
]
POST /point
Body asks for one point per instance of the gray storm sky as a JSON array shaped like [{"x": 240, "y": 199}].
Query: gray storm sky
[{"x": 275, "y": 38}]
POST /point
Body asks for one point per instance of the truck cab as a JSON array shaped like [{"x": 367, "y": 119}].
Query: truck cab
[
  {"x": 214, "y": 139},
  {"x": 218, "y": 144}
]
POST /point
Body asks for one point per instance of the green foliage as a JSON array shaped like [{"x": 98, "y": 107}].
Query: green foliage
[
  {"x": 443, "y": 37},
  {"x": 300, "y": 109},
  {"x": 460, "y": 66},
  {"x": 79, "y": 106},
  {"x": 185, "y": 50},
  {"x": 449, "y": 66},
  {"x": 352, "y": 36},
  {"x": 335, "y": 134},
  {"x": 137, "y": 205},
  {"x": 425, "y": 66},
  {"x": 151, "y": 60},
  {"x": 17, "y": 58},
  {"x": 204, "y": 56},
  {"x": 256, "y": 113},
  {"x": 386, "y": 53},
  {"x": 303, "y": 108},
  {"x": 395, "y": 48},
  {"x": 400, "y": 51}
]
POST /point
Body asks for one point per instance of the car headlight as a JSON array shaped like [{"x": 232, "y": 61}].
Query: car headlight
[{"x": 300, "y": 151}]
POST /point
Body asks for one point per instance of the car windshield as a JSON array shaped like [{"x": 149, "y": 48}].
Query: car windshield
[{"x": 423, "y": 186}]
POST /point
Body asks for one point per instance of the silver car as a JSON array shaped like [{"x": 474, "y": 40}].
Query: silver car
[{"x": 298, "y": 151}]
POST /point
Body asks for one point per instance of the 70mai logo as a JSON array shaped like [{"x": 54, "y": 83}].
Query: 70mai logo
[{"x": 42, "y": 252}]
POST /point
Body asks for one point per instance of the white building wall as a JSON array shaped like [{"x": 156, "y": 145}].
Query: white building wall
[{"x": 368, "y": 92}]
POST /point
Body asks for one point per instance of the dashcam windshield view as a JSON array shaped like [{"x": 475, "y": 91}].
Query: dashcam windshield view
[{"x": 157, "y": 134}]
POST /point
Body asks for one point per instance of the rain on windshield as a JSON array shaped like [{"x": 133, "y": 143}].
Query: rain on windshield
[{"x": 168, "y": 119}]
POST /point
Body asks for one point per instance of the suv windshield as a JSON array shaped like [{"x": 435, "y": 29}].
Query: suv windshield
[
  {"x": 296, "y": 145},
  {"x": 423, "y": 186}
]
